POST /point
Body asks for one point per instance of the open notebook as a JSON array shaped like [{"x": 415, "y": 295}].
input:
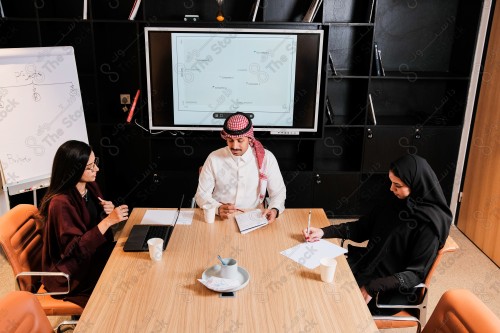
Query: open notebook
[{"x": 250, "y": 221}]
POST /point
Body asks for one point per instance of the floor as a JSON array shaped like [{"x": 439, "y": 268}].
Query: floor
[{"x": 467, "y": 268}]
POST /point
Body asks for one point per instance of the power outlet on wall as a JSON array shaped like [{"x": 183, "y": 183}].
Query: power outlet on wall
[{"x": 124, "y": 99}]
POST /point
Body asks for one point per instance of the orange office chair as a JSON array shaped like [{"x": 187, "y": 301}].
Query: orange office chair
[
  {"x": 22, "y": 240},
  {"x": 21, "y": 312},
  {"x": 460, "y": 311},
  {"x": 414, "y": 315}
]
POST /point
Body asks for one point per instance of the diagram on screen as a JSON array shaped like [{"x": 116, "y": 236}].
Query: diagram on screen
[{"x": 233, "y": 72}]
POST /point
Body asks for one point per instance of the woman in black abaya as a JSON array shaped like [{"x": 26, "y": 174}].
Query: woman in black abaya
[{"x": 404, "y": 234}]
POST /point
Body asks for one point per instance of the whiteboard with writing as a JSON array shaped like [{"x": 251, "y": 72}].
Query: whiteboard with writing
[{"x": 40, "y": 109}]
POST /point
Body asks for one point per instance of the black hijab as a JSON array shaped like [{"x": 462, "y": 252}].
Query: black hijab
[{"x": 426, "y": 201}]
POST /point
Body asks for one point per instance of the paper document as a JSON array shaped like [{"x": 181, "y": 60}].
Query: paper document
[
  {"x": 309, "y": 254},
  {"x": 167, "y": 217},
  {"x": 219, "y": 284},
  {"x": 250, "y": 221},
  {"x": 186, "y": 217}
]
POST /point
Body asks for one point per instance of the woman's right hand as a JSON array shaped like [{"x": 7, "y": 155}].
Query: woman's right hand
[
  {"x": 118, "y": 214},
  {"x": 315, "y": 234}
]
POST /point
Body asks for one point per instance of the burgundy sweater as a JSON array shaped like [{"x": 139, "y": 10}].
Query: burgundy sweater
[{"x": 74, "y": 245}]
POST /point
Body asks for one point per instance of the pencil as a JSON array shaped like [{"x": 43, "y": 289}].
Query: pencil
[{"x": 309, "y": 223}]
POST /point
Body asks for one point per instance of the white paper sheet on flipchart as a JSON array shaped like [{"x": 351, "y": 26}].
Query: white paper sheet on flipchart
[
  {"x": 167, "y": 217},
  {"x": 310, "y": 254}
]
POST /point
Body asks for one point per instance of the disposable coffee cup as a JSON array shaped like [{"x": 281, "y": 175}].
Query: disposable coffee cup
[
  {"x": 328, "y": 266},
  {"x": 209, "y": 214},
  {"x": 155, "y": 246},
  {"x": 230, "y": 269}
]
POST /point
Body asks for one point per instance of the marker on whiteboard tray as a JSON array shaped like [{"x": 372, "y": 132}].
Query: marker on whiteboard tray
[
  {"x": 27, "y": 190},
  {"x": 132, "y": 109},
  {"x": 33, "y": 188}
]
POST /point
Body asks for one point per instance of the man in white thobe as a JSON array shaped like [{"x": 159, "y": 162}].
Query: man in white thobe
[{"x": 236, "y": 178}]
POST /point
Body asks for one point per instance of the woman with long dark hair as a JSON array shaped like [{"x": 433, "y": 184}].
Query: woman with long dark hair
[
  {"x": 77, "y": 235},
  {"x": 404, "y": 233}
]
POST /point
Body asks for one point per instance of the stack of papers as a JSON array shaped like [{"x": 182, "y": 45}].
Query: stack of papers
[{"x": 250, "y": 221}]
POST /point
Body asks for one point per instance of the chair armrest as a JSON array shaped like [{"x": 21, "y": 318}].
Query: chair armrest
[
  {"x": 59, "y": 327},
  {"x": 396, "y": 318},
  {"x": 46, "y": 274},
  {"x": 403, "y": 306},
  {"x": 391, "y": 319},
  {"x": 193, "y": 203},
  {"x": 266, "y": 202}
]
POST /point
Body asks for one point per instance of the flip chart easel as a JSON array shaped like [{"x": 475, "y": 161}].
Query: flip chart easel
[{"x": 40, "y": 108}]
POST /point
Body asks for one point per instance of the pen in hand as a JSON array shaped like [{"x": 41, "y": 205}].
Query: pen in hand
[
  {"x": 232, "y": 209},
  {"x": 309, "y": 223}
]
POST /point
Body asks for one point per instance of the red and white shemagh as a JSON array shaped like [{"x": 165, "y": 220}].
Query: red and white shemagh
[{"x": 238, "y": 122}]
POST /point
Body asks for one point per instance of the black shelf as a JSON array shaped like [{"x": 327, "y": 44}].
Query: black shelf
[
  {"x": 348, "y": 100},
  {"x": 426, "y": 101},
  {"x": 342, "y": 123},
  {"x": 345, "y": 74},
  {"x": 427, "y": 55},
  {"x": 339, "y": 150},
  {"x": 19, "y": 33},
  {"x": 350, "y": 48},
  {"x": 352, "y": 12},
  {"x": 113, "y": 10},
  {"x": 174, "y": 10},
  {"x": 413, "y": 76},
  {"x": 19, "y": 9}
]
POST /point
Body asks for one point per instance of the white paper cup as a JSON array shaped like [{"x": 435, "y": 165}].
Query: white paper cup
[
  {"x": 209, "y": 214},
  {"x": 155, "y": 246},
  {"x": 328, "y": 266},
  {"x": 230, "y": 269}
]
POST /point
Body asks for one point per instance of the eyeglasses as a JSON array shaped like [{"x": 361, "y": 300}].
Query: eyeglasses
[{"x": 91, "y": 166}]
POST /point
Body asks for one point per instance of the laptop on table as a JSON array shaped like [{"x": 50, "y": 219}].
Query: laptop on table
[{"x": 137, "y": 240}]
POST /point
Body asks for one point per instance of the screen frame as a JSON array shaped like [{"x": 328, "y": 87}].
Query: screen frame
[{"x": 313, "y": 130}]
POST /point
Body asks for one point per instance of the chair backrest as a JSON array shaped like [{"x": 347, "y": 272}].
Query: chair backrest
[
  {"x": 416, "y": 315},
  {"x": 449, "y": 246},
  {"x": 21, "y": 312},
  {"x": 21, "y": 238},
  {"x": 460, "y": 311}
]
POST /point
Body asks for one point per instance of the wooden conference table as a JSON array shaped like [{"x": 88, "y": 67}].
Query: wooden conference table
[{"x": 135, "y": 294}]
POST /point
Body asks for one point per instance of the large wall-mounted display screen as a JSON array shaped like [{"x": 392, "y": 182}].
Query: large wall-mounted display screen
[{"x": 198, "y": 76}]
